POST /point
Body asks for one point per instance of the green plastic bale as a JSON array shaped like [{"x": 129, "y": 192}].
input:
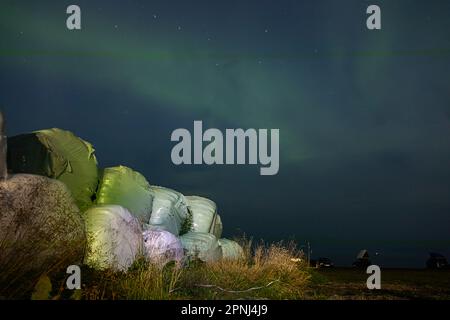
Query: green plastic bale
[
  {"x": 127, "y": 188},
  {"x": 231, "y": 249},
  {"x": 60, "y": 155}
]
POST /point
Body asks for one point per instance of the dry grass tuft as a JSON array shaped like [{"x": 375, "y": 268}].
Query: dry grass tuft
[{"x": 265, "y": 272}]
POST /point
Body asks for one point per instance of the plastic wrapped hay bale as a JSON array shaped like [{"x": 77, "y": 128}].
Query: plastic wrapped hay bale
[
  {"x": 41, "y": 230},
  {"x": 231, "y": 249},
  {"x": 57, "y": 154},
  {"x": 114, "y": 237},
  {"x": 161, "y": 246},
  {"x": 204, "y": 212},
  {"x": 169, "y": 211},
  {"x": 127, "y": 188},
  {"x": 201, "y": 245}
]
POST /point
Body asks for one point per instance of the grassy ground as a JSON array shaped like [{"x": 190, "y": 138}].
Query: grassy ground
[
  {"x": 350, "y": 284},
  {"x": 265, "y": 272}
]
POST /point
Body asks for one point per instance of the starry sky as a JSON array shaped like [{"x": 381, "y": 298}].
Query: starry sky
[{"x": 364, "y": 116}]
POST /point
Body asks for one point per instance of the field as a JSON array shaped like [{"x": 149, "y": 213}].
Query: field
[
  {"x": 275, "y": 271},
  {"x": 396, "y": 284},
  {"x": 269, "y": 275}
]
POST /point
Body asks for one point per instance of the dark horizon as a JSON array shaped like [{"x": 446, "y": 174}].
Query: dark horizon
[{"x": 364, "y": 116}]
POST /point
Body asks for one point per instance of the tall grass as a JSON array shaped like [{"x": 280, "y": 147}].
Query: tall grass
[
  {"x": 150, "y": 281},
  {"x": 264, "y": 272}
]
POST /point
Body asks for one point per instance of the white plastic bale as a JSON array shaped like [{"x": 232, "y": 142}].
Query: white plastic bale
[
  {"x": 169, "y": 210},
  {"x": 201, "y": 245},
  {"x": 231, "y": 249},
  {"x": 161, "y": 246},
  {"x": 204, "y": 212},
  {"x": 114, "y": 238}
]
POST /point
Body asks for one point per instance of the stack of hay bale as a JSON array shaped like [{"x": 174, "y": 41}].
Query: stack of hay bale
[{"x": 122, "y": 215}]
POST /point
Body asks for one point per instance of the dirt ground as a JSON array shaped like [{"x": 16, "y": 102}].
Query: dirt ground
[{"x": 396, "y": 284}]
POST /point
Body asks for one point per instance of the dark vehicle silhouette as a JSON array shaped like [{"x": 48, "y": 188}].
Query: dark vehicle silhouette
[
  {"x": 437, "y": 261},
  {"x": 324, "y": 263},
  {"x": 362, "y": 260}
]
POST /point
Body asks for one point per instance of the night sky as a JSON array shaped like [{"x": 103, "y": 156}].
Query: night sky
[{"x": 364, "y": 116}]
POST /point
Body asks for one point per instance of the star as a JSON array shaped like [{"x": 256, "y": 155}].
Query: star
[
  {"x": 116, "y": 26},
  {"x": 179, "y": 28},
  {"x": 155, "y": 16},
  {"x": 266, "y": 30}
]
